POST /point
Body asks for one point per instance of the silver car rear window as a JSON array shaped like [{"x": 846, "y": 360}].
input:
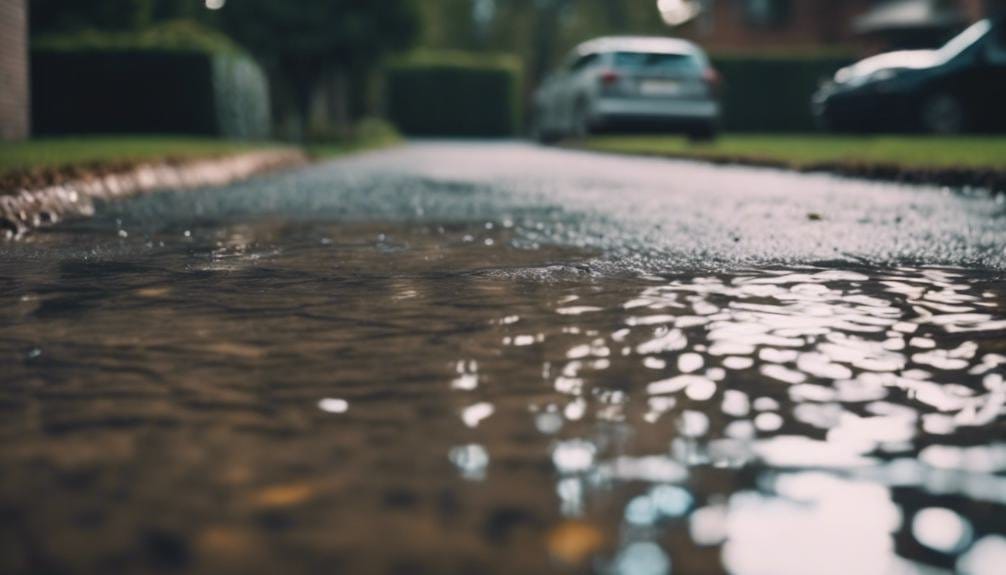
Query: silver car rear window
[{"x": 678, "y": 63}]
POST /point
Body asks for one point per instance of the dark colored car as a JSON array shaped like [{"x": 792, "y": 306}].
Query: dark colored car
[{"x": 960, "y": 87}]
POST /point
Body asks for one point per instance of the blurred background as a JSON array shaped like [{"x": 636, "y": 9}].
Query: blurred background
[{"x": 323, "y": 69}]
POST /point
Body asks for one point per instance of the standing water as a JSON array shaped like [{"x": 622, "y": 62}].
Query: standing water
[{"x": 275, "y": 395}]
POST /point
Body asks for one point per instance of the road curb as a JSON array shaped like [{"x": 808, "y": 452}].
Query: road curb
[{"x": 26, "y": 209}]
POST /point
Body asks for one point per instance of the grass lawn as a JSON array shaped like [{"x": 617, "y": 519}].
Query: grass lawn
[
  {"x": 369, "y": 134},
  {"x": 808, "y": 151},
  {"x": 321, "y": 151},
  {"x": 88, "y": 150},
  {"x": 40, "y": 158}
]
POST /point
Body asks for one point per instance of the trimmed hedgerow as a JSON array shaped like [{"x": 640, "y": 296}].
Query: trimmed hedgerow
[
  {"x": 450, "y": 94},
  {"x": 165, "y": 81},
  {"x": 772, "y": 93}
]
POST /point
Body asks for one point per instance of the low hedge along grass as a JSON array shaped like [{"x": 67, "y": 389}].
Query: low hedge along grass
[
  {"x": 435, "y": 94},
  {"x": 153, "y": 83},
  {"x": 772, "y": 93}
]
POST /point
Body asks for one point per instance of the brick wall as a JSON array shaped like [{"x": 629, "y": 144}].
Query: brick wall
[
  {"x": 810, "y": 23},
  {"x": 14, "y": 100},
  {"x": 981, "y": 8}
]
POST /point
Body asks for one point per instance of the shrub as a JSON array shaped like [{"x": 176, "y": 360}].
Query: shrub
[
  {"x": 173, "y": 79},
  {"x": 180, "y": 35},
  {"x": 241, "y": 97},
  {"x": 453, "y": 94},
  {"x": 772, "y": 93}
]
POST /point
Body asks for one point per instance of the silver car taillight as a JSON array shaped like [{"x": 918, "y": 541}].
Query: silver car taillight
[{"x": 609, "y": 79}]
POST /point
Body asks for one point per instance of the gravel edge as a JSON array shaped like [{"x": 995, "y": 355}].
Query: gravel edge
[{"x": 26, "y": 209}]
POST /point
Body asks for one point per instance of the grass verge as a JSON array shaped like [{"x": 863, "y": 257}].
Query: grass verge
[
  {"x": 52, "y": 153},
  {"x": 954, "y": 161},
  {"x": 47, "y": 161},
  {"x": 808, "y": 151},
  {"x": 368, "y": 134}
]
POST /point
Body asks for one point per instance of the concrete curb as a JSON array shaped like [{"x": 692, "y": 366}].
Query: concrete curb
[{"x": 27, "y": 209}]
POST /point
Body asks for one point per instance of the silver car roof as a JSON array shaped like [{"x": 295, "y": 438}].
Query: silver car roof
[{"x": 650, "y": 44}]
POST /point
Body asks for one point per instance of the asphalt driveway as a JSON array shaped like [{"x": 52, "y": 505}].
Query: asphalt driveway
[{"x": 466, "y": 357}]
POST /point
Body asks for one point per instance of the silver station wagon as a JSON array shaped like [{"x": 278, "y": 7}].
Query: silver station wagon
[{"x": 616, "y": 83}]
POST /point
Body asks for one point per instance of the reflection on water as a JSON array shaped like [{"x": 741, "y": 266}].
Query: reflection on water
[{"x": 409, "y": 398}]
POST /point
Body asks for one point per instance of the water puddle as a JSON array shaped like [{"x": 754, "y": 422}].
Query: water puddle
[{"x": 436, "y": 398}]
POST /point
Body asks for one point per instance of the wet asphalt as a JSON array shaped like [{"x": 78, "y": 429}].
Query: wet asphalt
[
  {"x": 493, "y": 357},
  {"x": 648, "y": 214}
]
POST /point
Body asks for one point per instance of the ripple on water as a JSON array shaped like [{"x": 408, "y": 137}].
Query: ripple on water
[
  {"x": 772, "y": 421},
  {"x": 868, "y": 360}
]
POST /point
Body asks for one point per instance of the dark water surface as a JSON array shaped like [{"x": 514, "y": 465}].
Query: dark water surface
[
  {"x": 276, "y": 396},
  {"x": 493, "y": 358}
]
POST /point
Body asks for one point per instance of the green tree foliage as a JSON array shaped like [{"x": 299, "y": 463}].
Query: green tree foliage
[
  {"x": 300, "y": 41},
  {"x": 181, "y": 10},
  {"x": 539, "y": 31},
  {"x": 49, "y": 16},
  {"x": 448, "y": 23}
]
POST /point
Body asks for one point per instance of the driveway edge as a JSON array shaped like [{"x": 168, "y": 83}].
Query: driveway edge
[
  {"x": 26, "y": 209},
  {"x": 991, "y": 179}
]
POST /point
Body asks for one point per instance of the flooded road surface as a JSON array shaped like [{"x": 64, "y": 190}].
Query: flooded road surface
[{"x": 499, "y": 359}]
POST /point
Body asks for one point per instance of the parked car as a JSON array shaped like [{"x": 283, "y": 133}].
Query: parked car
[
  {"x": 629, "y": 82},
  {"x": 960, "y": 87}
]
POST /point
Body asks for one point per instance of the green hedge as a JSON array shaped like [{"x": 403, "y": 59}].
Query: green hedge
[
  {"x": 241, "y": 96},
  {"x": 174, "y": 35},
  {"x": 448, "y": 94},
  {"x": 158, "y": 82},
  {"x": 772, "y": 93}
]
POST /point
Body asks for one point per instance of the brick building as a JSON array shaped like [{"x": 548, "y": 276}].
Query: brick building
[
  {"x": 919, "y": 23},
  {"x": 14, "y": 102},
  {"x": 753, "y": 25}
]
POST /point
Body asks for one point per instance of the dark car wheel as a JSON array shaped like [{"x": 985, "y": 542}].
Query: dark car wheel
[
  {"x": 943, "y": 114},
  {"x": 704, "y": 133},
  {"x": 539, "y": 132},
  {"x": 581, "y": 121}
]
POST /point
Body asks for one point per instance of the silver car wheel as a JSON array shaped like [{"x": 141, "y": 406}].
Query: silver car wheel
[{"x": 943, "y": 114}]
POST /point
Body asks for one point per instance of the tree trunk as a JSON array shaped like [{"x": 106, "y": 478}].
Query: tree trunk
[
  {"x": 546, "y": 31},
  {"x": 338, "y": 102},
  {"x": 616, "y": 15},
  {"x": 318, "y": 119},
  {"x": 305, "y": 78}
]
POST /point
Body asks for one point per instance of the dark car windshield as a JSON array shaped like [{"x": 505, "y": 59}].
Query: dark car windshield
[{"x": 657, "y": 62}]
